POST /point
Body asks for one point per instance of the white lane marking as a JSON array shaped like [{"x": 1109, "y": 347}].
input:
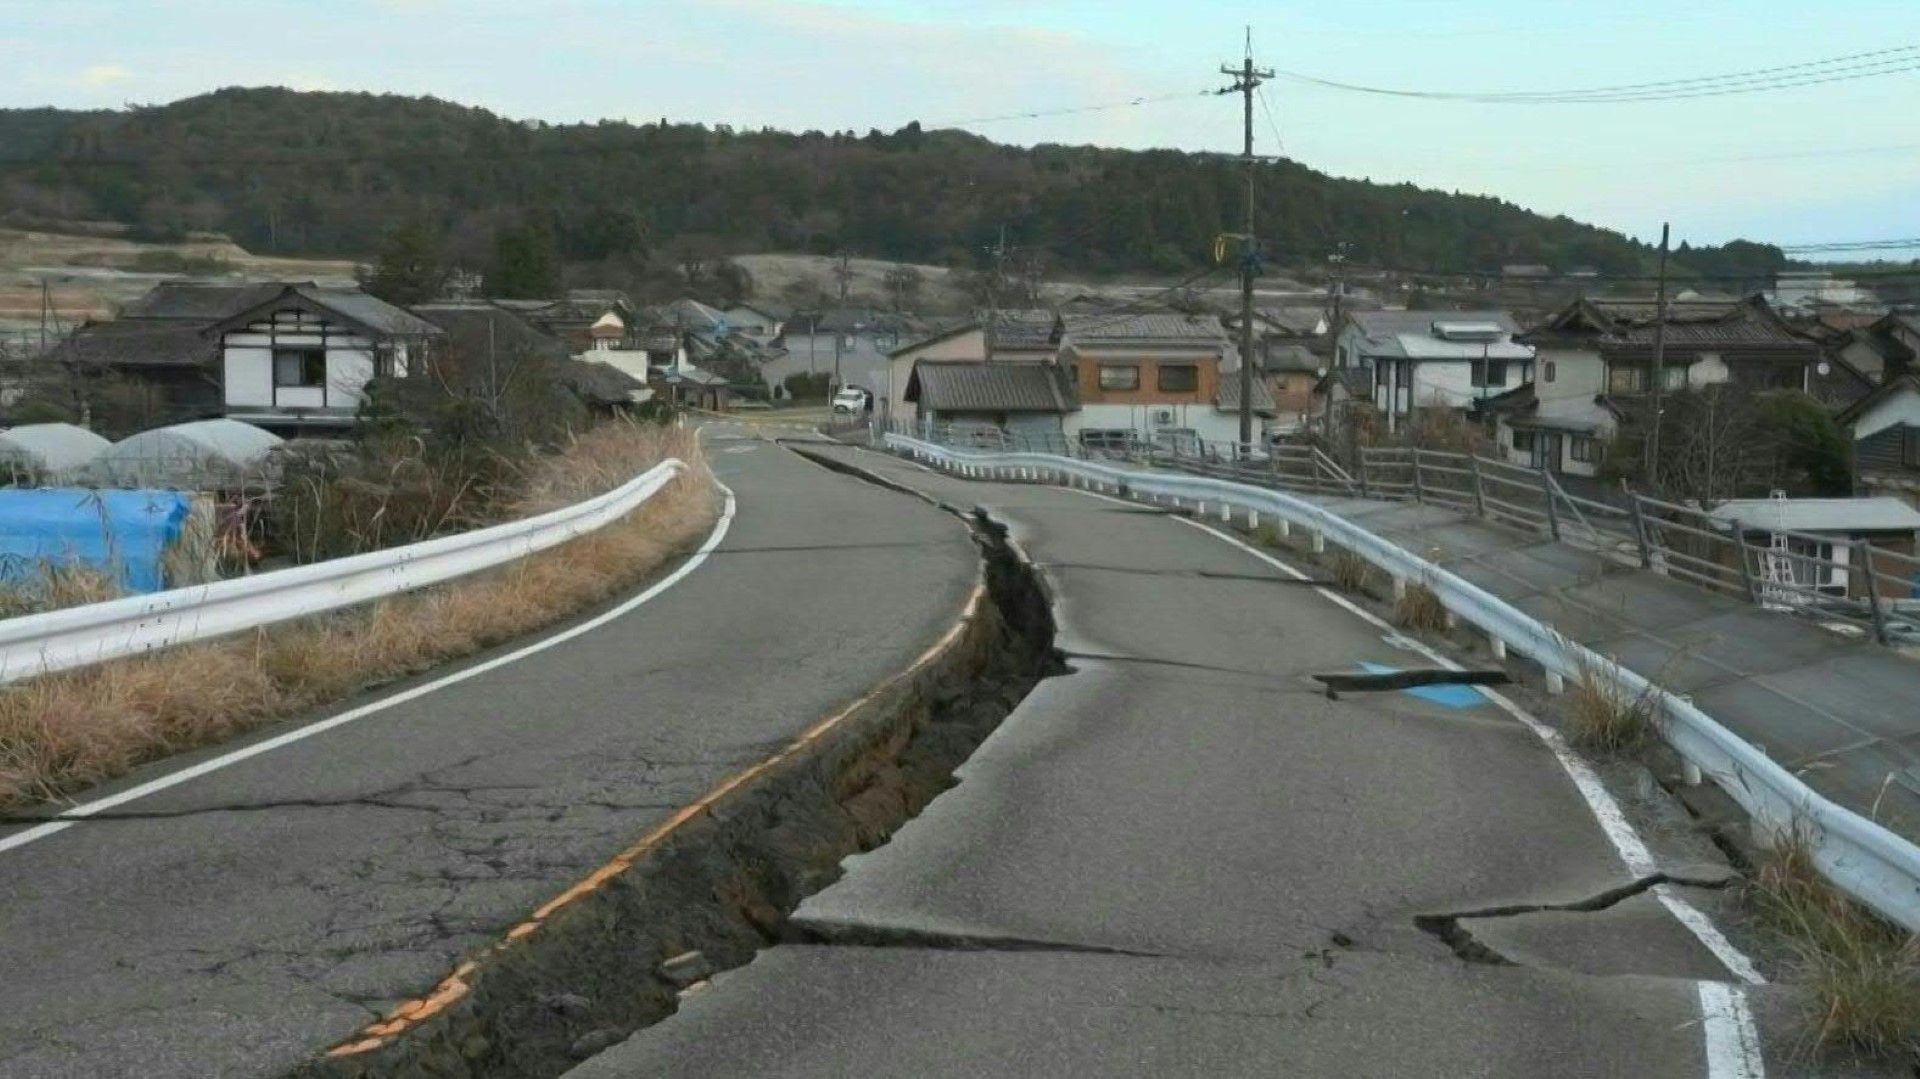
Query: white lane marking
[
  {"x": 1620, "y": 832},
  {"x": 1733, "y": 1042},
  {"x": 72, "y": 816}
]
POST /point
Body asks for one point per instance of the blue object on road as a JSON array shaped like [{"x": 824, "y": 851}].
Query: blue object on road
[
  {"x": 119, "y": 532},
  {"x": 1450, "y": 696}
]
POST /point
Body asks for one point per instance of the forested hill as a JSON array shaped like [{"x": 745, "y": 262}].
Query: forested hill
[{"x": 331, "y": 173}]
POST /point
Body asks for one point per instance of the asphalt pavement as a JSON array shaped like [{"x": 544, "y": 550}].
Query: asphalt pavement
[
  {"x": 247, "y": 919},
  {"x": 1183, "y": 858}
]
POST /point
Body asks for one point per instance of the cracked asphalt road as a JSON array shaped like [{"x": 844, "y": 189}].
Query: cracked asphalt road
[
  {"x": 1181, "y": 858},
  {"x": 241, "y": 922}
]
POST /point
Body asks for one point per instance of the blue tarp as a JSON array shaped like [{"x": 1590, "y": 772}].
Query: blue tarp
[{"x": 123, "y": 533}]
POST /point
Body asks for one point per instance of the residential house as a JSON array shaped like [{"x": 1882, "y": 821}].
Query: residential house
[
  {"x": 1019, "y": 336},
  {"x": 1885, "y": 426},
  {"x": 1293, "y": 323},
  {"x": 570, "y": 317},
  {"x": 760, "y": 321},
  {"x": 849, "y": 345},
  {"x": 976, "y": 401},
  {"x": 1826, "y": 529},
  {"x": 300, "y": 360},
  {"x": 1595, "y": 357},
  {"x": 1882, "y": 349},
  {"x": 1167, "y": 377},
  {"x": 1433, "y": 359},
  {"x": 487, "y": 345}
]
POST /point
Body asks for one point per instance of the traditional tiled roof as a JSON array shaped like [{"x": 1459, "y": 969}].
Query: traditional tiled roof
[
  {"x": 1276, "y": 357},
  {"x": 990, "y": 387},
  {"x": 1227, "y": 399},
  {"x": 126, "y": 343},
  {"x": 599, "y": 383},
  {"x": 1147, "y": 328},
  {"x": 474, "y": 328},
  {"x": 198, "y": 302}
]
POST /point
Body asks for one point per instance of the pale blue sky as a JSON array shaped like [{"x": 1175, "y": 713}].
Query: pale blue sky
[{"x": 1836, "y": 162}]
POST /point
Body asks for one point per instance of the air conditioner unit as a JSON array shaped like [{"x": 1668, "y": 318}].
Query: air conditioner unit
[{"x": 1163, "y": 417}]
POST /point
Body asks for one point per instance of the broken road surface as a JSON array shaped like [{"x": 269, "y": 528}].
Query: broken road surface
[
  {"x": 245, "y": 921},
  {"x": 1182, "y": 858}
]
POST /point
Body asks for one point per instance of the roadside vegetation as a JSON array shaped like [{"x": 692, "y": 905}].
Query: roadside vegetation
[
  {"x": 1862, "y": 973},
  {"x": 1605, "y": 719},
  {"x": 64, "y": 732},
  {"x": 1418, "y": 609}
]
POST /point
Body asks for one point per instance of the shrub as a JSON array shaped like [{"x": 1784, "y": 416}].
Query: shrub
[
  {"x": 1863, "y": 973},
  {"x": 1418, "y": 609}
]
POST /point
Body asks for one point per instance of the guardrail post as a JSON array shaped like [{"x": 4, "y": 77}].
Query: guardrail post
[
  {"x": 1740, "y": 556},
  {"x": 1479, "y": 491},
  {"x": 1553, "y": 511},
  {"x": 1416, "y": 474},
  {"x": 1863, "y": 555},
  {"x": 1319, "y": 542},
  {"x": 1639, "y": 528},
  {"x": 1498, "y": 646}
]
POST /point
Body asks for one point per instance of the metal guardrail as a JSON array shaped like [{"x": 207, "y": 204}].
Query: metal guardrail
[
  {"x": 1866, "y": 860},
  {"x": 1874, "y": 590},
  {"x": 78, "y": 636}
]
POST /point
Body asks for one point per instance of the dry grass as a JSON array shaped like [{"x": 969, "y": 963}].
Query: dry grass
[
  {"x": 1267, "y": 535},
  {"x": 49, "y": 586},
  {"x": 1350, "y": 572},
  {"x": 1418, "y": 609},
  {"x": 1863, "y": 973},
  {"x": 1602, "y": 718},
  {"x": 67, "y": 731}
]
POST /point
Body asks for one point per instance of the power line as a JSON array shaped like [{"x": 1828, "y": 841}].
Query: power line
[
  {"x": 1879, "y": 62},
  {"x": 1035, "y": 114},
  {"x": 1273, "y": 125},
  {"x": 1855, "y": 245}
]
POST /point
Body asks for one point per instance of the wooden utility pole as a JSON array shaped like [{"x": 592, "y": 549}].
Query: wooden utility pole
[
  {"x": 1247, "y": 79},
  {"x": 993, "y": 293},
  {"x": 1659, "y": 372}
]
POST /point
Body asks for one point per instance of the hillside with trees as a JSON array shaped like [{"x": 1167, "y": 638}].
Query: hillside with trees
[{"x": 339, "y": 173}]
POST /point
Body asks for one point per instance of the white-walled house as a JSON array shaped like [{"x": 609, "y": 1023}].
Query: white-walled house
[
  {"x": 1433, "y": 359},
  {"x": 301, "y": 359},
  {"x": 1594, "y": 360}
]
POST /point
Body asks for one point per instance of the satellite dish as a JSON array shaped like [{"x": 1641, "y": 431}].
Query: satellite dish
[{"x": 1824, "y": 367}]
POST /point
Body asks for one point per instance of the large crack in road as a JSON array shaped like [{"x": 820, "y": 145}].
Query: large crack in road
[{"x": 722, "y": 885}]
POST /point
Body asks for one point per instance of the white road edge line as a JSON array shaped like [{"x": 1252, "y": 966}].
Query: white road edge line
[
  {"x": 1733, "y": 1049},
  {"x": 73, "y": 816},
  {"x": 1732, "y": 1042}
]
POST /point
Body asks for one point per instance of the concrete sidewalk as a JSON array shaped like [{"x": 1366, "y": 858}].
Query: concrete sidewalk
[{"x": 1183, "y": 858}]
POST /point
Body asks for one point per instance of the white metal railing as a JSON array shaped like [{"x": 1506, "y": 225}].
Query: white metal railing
[
  {"x": 78, "y": 636},
  {"x": 1875, "y": 589},
  {"x": 1868, "y": 861}
]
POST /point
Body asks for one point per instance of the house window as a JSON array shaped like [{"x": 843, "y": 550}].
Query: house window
[
  {"x": 1490, "y": 373},
  {"x": 1622, "y": 379},
  {"x": 1673, "y": 378},
  {"x": 1549, "y": 370},
  {"x": 1581, "y": 448},
  {"x": 1179, "y": 377},
  {"x": 1784, "y": 377},
  {"x": 1119, "y": 376},
  {"x": 299, "y": 367},
  {"x": 1523, "y": 441}
]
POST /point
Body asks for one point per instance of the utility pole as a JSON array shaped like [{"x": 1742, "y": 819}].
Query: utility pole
[
  {"x": 1659, "y": 372},
  {"x": 1246, "y": 79},
  {"x": 844, "y": 272},
  {"x": 993, "y": 292}
]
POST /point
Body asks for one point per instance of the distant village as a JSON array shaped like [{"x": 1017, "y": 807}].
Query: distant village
[{"x": 1549, "y": 388}]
